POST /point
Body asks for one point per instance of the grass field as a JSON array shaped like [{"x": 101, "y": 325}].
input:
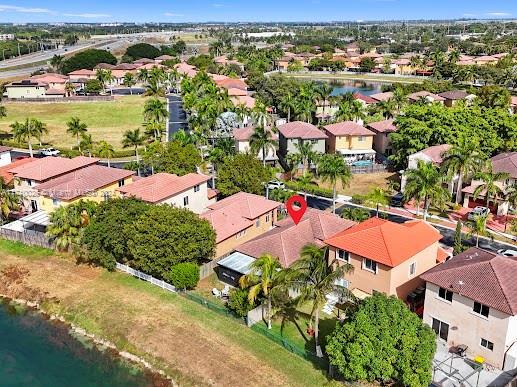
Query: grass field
[
  {"x": 106, "y": 120},
  {"x": 361, "y": 184},
  {"x": 193, "y": 344}
]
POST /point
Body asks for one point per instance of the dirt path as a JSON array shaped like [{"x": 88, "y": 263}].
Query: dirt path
[{"x": 196, "y": 346}]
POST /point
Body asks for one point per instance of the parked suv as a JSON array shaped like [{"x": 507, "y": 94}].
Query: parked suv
[
  {"x": 49, "y": 152},
  {"x": 274, "y": 184},
  {"x": 478, "y": 211}
]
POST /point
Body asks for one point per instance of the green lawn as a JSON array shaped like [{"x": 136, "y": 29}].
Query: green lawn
[
  {"x": 21, "y": 250},
  {"x": 106, "y": 120}
]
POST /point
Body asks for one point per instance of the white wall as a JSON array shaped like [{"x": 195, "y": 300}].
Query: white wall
[
  {"x": 244, "y": 146},
  {"x": 197, "y": 201},
  {"x": 5, "y": 158}
]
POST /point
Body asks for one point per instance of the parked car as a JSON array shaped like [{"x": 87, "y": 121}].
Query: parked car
[
  {"x": 397, "y": 200},
  {"x": 275, "y": 184},
  {"x": 507, "y": 252},
  {"x": 49, "y": 152},
  {"x": 478, "y": 211}
]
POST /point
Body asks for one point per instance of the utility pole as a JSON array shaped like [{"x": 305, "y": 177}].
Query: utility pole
[{"x": 19, "y": 53}]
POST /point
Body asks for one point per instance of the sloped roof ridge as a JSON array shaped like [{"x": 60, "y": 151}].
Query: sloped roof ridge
[{"x": 499, "y": 282}]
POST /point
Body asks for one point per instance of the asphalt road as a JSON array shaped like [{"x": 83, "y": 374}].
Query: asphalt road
[
  {"x": 448, "y": 234},
  {"x": 177, "y": 116}
]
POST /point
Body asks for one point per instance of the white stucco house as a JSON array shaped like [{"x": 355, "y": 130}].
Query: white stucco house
[
  {"x": 5, "y": 155},
  {"x": 242, "y": 138}
]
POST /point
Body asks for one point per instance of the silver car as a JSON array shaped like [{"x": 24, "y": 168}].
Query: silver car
[
  {"x": 478, "y": 211},
  {"x": 507, "y": 252}
]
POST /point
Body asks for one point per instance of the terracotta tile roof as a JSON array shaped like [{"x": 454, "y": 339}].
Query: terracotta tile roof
[
  {"x": 480, "y": 275},
  {"x": 231, "y": 83},
  {"x": 287, "y": 239},
  {"x": 384, "y": 126},
  {"x": 143, "y": 61},
  {"x": 348, "y": 128},
  {"x": 161, "y": 186},
  {"x": 382, "y": 96},
  {"x": 4, "y": 149},
  {"x": 236, "y": 213},
  {"x": 454, "y": 95},
  {"x": 125, "y": 66},
  {"x": 386, "y": 242},
  {"x": 164, "y": 57},
  {"x": 245, "y": 100},
  {"x": 82, "y": 72},
  {"x": 212, "y": 193},
  {"x": 442, "y": 255},
  {"x": 514, "y": 100},
  {"x": 244, "y": 134},
  {"x": 236, "y": 92},
  {"x": 505, "y": 162},
  {"x": 49, "y": 78},
  {"x": 53, "y": 75},
  {"x": 8, "y": 176},
  {"x": 104, "y": 66},
  {"x": 81, "y": 182},
  {"x": 54, "y": 92},
  {"x": 48, "y": 167},
  {"x": 366, "y": 99},
  {"x": 424, "y": 94},
  {"x": 435, "y": 152},
  {"x": 218, "y": 77},
  {"x": 303, "y": 130}
]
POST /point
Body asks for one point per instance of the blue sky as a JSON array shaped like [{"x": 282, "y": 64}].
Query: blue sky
[{"x": 249, "y": 10}]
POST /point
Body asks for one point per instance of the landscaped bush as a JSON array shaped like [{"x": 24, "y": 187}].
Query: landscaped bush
[
  {"x": 183, "y": 275},
  {"x": 358, "y": 199},
  {"x": 312, "y": 189},
  {"x": 239, "y": 302}
]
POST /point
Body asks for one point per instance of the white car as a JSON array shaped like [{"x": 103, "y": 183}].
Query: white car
[
  {"x": 507, "y": 252},
  {"x": 275, "y": 184},
  {"x": 49, "y": 152},
  {"x": 478, "y": 211}
]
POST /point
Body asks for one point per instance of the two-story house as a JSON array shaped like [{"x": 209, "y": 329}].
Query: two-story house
[
  {"x": 351, "y": 140},
  {"x": 240, "y": 218},
  {"x": 298, "y": 132},
  {"x": 472, "y": 300},
  {"x": 29, "y": 175},
  {"x": 386, "y": 257},
  {"x": 381, "y": 140},
  {"x": 189, "y": 191},
  {"x": 242, "y": 137}
]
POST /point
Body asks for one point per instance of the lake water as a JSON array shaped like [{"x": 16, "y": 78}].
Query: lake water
[
  {"x": 366, "y": 88},
  {"x": 38, "y": 353}
]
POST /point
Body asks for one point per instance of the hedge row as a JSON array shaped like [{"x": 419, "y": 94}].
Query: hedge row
[
  {"x": 66, "y": 152},
  {"x": 311, "y": 189}
]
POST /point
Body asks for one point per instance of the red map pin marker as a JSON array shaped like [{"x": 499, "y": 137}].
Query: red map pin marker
[{"x": 296, "y": 211}]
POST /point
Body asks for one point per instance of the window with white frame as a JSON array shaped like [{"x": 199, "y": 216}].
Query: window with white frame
[
  {"x": 481, "y": 309},
  {"x": 412, "y": 269},
  {"x": 487, "y": 344},
  {"x": 370, "y": 265},
  {"x": 267, "y": 218},
  {"x": 445, "y": 294},
  {"x": 343, "y": 255},
  {"x": 241, "y": 234}
]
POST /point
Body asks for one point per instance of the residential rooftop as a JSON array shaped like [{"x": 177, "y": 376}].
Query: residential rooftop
[
  {"x": 300, "y": 129},
  {"x": 384, "y": 126},
  {"x": 348, "y": 128},
  {"x": 49, "y": 167}
]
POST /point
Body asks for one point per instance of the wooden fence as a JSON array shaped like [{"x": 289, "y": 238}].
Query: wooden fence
[
  {"x": 146, "y": 277},
  {"x": 368, "y": 169},
  {"x": 29, "y": 237}
]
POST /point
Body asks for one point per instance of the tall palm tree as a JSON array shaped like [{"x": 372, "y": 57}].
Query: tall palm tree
[
  {"x": 314, "y": 277},
  {"x": 154, "y": 88},
  {"x": 377, "y": 197},
  {"x": 461, "y": 160},
  {"x": 331, "y": 168},
  {"x": 260, "y": 116},
  {"x": 76, "y": 128},
  {"x": 306, "y": 154},
  {"x": 106, "y": 151},
  {"x": 155, "y": 110},
  {"x": 154, "y": 130},
  {"x": 264, "y": 278},
  {"x": 304, "y": 109},
  {"x": 133, "y": 138},
  {"x": 387, "y": 108},
  {"x": 350, "y": 111},
  {"x": 262, "y": 140},
  {"x": 129, "y": 81},
  {"x": 184, "y": 137},
  {"x": 104, "y": 76},
  {"x": 57, "y": 62},
  {"x": 491, "y": 183},
  {"x": 70, "y": 88},
  {"x": 9, "y": 201},
  {"x": 478, "y": 228},
  {"x": 324, "y": 91},
  {"x": 31, "y": 128},
  {"x": 288, "y": 104},
  {"x": 86, "y": 144},
  {"x": 305, "y": 181},
  {"x": 142, "y": 75},
  {"x": 425, "y": 183}
]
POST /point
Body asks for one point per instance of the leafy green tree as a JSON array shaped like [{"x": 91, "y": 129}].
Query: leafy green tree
[
  {"x": 305, "y": 181},
  {"x": 183, "y": 275},
  {"x": 288, "y": 105},
  {"x": 239, "y": 302},
  {"x": 9, "y": 201},
  {"x": 142, "y": 50},
  {"x": 243, "y": 172},
  {"x": 425, "y": 183},
  {"x": 77, "y": 129},
  {"x": 87, "y": 59},
  {"x": 493, "y": 97},
  {"x": 350, "y": 110},
  {"x": 332, "y": 168},
  {"x": 26, "y": 131},
  {"x": 382, "y": 340},
  {"x": 478, "y": 228},
  {"x": 93, "y": 86},
  {"x": 314, "y": 277},
  {"x": 367, "y": 64},
  {"x": 262, "y": 140},
  {"x": 458, "y": 239},
  {"x": 264, "y": 278},
  {"x": 104, "y": 240},
  {"x": 165, "y": 236},
  {"x": 173, "y": 157}
]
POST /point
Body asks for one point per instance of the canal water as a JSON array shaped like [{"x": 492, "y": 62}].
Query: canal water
[
  {"x": 38, "y": 353},
  {"x": 350, "y": 86}
]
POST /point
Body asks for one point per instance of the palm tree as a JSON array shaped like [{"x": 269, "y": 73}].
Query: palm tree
[
  {"x": 142, "y": 75},
  {"x": 350, "y": 111},
  {"x": 216, "y": 48},
  {"x": 76, "y": 128},
  {"x": 260, "y": 116},
  {"x": 489, "y": 183},
  {"x": 184, "y": 137},
  {"x": 264, "y": 278},
  {"x": 106, "y": 151},
  {"x": 387, "y": 108},
  {"x": 103, "y": 77},
  {"x": 9, "y": 201},
  {"x": 154, "y": 130},
  {"x": 377, "y": 197},
  {"x": 399, "y": 99},
  {"x": 57, "y": 62},
  {"x": 288, "y": 103},
  {"x": 324, "y": 91},
  {"x": 129, "y": 81},
  {"x": 153, "y": 88},
  {"x": 133, "y": 138},
  {"x": 306, "y": 154},
  {"x": 304, "y": 109},
  {"x": 425, "y": 183},
  {"x": 314, "y": 277},
  {"x": 461, "y": 160},
  {"x": 305, "y": 180},
  {"x": 70, "y": 88},
  {"x": 86, "y": 144},
  {"x": 478, "y": 228},
  {"x": 332, "y": 168},
  {"x": 262, "y": 140},
  {"x": 31, "y": 128},
  {"x": 155, "y": 110},
  {"x": 415, "y": 62},
  {"x": 356, "y": 214}
]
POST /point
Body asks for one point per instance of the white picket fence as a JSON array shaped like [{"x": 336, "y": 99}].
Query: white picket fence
[{"x": 145, "y": 277}]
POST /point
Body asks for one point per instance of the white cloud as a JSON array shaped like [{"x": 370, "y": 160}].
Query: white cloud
[
  {"x": 499, "y": 14},
  {"x": 14, "y": 8},
  {"x": 172, "y": 14},
  {"x": 87, "y": 15}
]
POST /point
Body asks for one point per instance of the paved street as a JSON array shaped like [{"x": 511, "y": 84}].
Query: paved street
[{"x": 177, "y": 116}]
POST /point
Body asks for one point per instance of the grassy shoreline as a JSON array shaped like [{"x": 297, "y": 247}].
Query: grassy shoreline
[
  {"x": 193, "y": 345},
  {"x": 354, "y": 77}
]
